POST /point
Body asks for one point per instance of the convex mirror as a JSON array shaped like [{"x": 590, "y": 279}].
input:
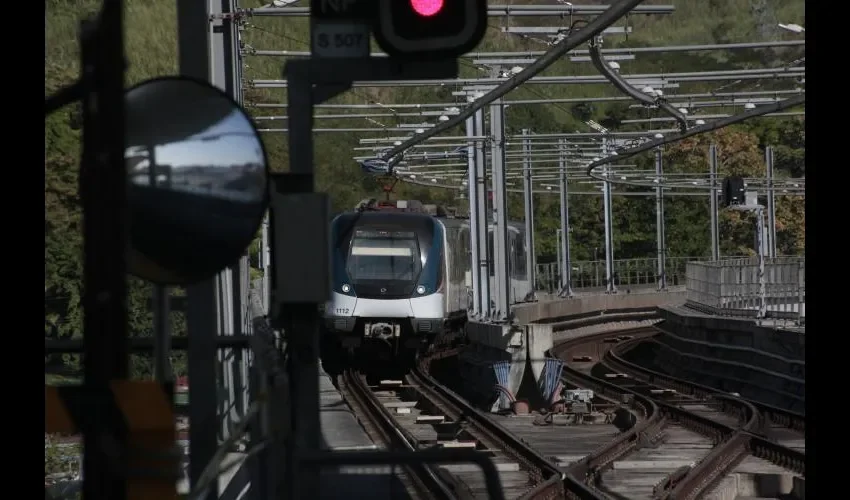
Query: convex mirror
[{"x": 197, "y": 174}]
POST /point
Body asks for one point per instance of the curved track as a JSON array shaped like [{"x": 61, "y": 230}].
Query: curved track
[
  {"x": 417, "y": 412},
  {"x": 729, "y": 427},
  {"x": 785, "y": 427}
]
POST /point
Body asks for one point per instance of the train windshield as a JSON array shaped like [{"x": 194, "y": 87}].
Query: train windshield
[{"x": 384, "y": 255}]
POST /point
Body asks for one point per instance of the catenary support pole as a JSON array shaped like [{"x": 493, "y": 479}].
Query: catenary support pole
[
  {"x": 500, "y": 207},
  {"x": 771, "y": 204},
  {"x": 566, "y": 289},
  {"x": 472, "y": 183},
  {"x": 659, "y": 221},
  {"x": 610, "y": 287},
  {"x": 481, "y": 235},
  {"x": 762, "y": 311},
  {"x": 528, "y": 201},
  {"x": 713, "y": 208}
]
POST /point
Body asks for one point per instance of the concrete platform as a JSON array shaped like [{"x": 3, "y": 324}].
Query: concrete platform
[
  {"x": 533, "y": 333},
  {"x": 342, "y": 431},
  {"x": 586, "y": 303}
]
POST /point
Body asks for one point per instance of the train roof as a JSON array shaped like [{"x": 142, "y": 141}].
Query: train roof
[{"x": 389, "y": 210}]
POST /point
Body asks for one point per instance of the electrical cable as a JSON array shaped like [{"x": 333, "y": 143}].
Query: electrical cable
[
  {"x": 708, "y": 127},
  {"x": 554, "y": 54},
  {"x": 621, "y": 84}
]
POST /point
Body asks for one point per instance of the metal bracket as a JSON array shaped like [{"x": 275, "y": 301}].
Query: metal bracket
[{"x": 228, "y": 16}]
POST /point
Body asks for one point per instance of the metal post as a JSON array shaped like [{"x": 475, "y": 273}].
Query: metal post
[
  {"x": 609, "y": 231},
  {"x": 801, "y": 286},
  {"x": 224, "y": 54},
  {"x": 559, "y": 261},
  {"x": 104, "y": 203},
  {"x": 771, "y": 204},
  {"x": 566, "y": 289},
  {"x": 528, "y": 199},
  {"x": 500, "y": 207},
  {"x": 265, "y": 262},
  {"x": 762, "y": 312},
  {"x": 715, "y": 224},
  {"x": 194, "y": 42},
  {"x": 480, "y": 234},
  {"x": 162, "y": 333},
  {"x": 475, "y": 254},
  {"x": 659, "y": 221},
  {"x": 160, "y": 296},
  {"x": 296, "y": 300}
]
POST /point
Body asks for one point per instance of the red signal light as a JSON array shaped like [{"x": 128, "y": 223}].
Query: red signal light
[{"x": 427, "y": 8}]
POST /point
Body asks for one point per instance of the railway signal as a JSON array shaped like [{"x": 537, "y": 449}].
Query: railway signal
[
  {"x": 733, "y": 191},
  {"x": 430, "y": 29}
]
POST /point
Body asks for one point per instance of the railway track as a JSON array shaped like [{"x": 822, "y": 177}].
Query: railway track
[
  {"x": 782, "y": 426},
  {"x": 418, "y": 413},
  {"x": 706, "y": 434}
]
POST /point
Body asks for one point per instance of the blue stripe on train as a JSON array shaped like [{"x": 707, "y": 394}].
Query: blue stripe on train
[{"x": 433, "y": 266}]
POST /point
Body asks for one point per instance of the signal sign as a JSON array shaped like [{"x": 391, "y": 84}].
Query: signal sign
[{"x": 341, "y": 28}]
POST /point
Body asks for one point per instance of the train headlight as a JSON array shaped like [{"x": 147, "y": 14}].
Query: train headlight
[
  {"x": 346, "y": 288},
  {"x": 420, "y": 289}
]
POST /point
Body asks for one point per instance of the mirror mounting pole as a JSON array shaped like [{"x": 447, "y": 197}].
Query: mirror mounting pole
[
  {"x": 103, "y": 184},
  {"x": 301, "y": 278},
  {"x": 301, "y": 243}
]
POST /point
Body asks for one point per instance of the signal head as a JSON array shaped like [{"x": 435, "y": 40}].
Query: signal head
[{"x": 430, "y": 29}]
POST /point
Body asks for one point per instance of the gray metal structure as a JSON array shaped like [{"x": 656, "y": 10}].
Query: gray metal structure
[
  {"x": 566, "y": 289},
  {"x": 659, "y": 221},
  {"x": 713, "y": 194},
  {"x": 210, "y": 49},
  {"x": 528, "y": 205},
  {"x": 478, "y": 220},
  {"x": 501, "y": 273}
]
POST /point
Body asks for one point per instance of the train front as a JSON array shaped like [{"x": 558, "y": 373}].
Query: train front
[{"x": 387, "y": 281}]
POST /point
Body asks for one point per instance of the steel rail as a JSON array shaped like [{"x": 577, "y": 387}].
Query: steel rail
[
  {"x": 548, "y": 481},
  {"x": 733, "y": 444},
  {"x": 779, "y": 416},
  {"x": 424, "y": 478}
]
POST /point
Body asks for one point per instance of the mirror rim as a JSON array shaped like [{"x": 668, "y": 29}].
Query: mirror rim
[{"x": 264, "y": 202}]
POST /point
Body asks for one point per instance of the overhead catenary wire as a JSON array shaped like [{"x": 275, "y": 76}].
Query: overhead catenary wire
[
  {"x": 708, "y": 127},
  {"x": 621, "y": 84},
  {"x": 573, "y": 40}
]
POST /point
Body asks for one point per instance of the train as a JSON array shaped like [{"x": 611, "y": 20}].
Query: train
[{"x": 401, "y": 275}]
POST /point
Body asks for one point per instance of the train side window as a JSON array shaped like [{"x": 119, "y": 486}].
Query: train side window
[
  {"x": 520, "y": 256},
  {"x": 457, "y": 255},
  {"x": 491, "y": 254},
  {"x": 514, "y": 266}
]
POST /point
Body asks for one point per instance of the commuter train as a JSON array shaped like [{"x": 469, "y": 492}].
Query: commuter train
[{"x": 402, "y": 274}]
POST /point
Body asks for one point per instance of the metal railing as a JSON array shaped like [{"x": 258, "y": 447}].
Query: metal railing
[
  {"x": 627, "y": 273},
  {"x": 733, "y": 287}
]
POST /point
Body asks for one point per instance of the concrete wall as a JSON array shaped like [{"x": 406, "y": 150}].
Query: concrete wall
[
  {"x": 734, "y": 355},
  {"x": 563, "y": 308},
  {"x": 522, "y": 345}
]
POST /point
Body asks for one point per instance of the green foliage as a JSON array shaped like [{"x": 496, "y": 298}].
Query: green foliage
[{"x": 151, "y": 51}]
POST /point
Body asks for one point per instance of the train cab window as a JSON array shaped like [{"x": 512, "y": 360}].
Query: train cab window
[{"x": 384, "y": 255}]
